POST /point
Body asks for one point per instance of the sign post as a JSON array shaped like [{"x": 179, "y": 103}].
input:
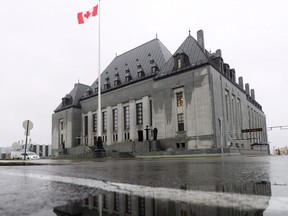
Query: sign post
[{"x": 27, "y": 125}]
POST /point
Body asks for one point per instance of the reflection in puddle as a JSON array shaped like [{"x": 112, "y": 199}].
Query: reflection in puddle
[{"x": 248, "y": 200}]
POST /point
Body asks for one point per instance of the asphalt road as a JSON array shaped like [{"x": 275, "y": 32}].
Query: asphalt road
[{"x": 247, "y": 185}]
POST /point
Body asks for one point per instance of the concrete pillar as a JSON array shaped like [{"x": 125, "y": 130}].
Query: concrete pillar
[
  {"x": 120, "y": 122},
  {"x": 146, "y": 111},
  {"x": 109, "y": 125},
  {"x": 132, "y": 110},
  {"x": 90, "y": 128}
]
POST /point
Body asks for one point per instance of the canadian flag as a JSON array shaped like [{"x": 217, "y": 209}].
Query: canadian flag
[{"x": 84, "y": 16}]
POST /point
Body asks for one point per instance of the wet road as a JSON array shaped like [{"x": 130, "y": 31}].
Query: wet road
[{"x": 245, "y": 185}]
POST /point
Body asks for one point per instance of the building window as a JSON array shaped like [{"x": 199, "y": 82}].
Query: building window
[
  {"x": 105, "y": 201},
  {"x": 115, "y": 137},
  {"x": 115, "y": 119},
  {"x": 61, "y": 124},
  {"x": 117, "y": 82},
  {"x": 116, "y": 201},
  {"x": 95, "y": 201},
  {"x": 179, "y": 63},
  {"x": 86, "y": 201},
  {"x": 184, "y": 213},
  {"x": 126, "y": 118},
  {"x": 94, "y": 122},
  {"x": 126, "y": 136},
  {"x": 139, "y": 114},
  {"x": 180, "y": 120},
  {"x": 106, "y": 86},
  {"x": 128, "y": 204},
  {"x": 179, "y": 97},
  {"x": 141, "y": 206},
  {"x": 104, "y": 121},
  {"x": 227, "y": 104},
  {"x": 154, "y": 69},
  {"x": 86, "y": 126},
  {"x": 128, "y": 76}
]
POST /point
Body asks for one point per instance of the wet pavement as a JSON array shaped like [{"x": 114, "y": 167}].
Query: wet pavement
[{"x": 188, "y": 186}]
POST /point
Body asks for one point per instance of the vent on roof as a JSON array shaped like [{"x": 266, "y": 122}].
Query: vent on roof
[
  {"x": 154, "y": 67},
  {"x": 128, "y": 76},
  {"x": 96, "y": 88},
  {"x": 107, "y": 82},
  {"x": 140, "y": 71},
  {"x": 117, "y": 80},
  {"x": 88, "y": 92}
]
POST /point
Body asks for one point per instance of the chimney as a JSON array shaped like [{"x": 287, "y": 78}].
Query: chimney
[
  {"x": 200, "y": 38},
  {"x": 247, "y": 88},
  {"x": 253, "y": 93},
  {"x": 219, "y": 53},
  {"x": 233, "y": 75},
  {"x": 240, "y": 81}
]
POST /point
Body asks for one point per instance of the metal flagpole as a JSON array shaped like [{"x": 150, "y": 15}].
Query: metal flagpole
[{"x": 99, "y": 142}]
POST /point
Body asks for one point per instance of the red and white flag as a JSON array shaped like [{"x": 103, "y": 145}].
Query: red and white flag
[{"x": 84, "y": 16}]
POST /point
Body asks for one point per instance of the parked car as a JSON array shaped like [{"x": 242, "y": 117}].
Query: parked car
[{"x": 29, "y": 156}]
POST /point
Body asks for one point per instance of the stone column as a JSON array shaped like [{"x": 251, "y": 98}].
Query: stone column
[
  {"x": 43, "y": 151},
  {"x": 132, "y": 110},
  {"x": 109, "y": 125},
  {"x": 37, "y": 149},
  {"x": 146, "y": 111},
  {"x": 83, "y": 129},
  {"x": 90, "y": 128},
  {"x": 120, "y": 122}
]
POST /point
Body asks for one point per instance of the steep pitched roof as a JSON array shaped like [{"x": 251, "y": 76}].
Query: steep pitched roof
[
  {"x": 194, "y": 52},
  {"x": 141, "y": 55},
  {"x": 72, "y": 99}
]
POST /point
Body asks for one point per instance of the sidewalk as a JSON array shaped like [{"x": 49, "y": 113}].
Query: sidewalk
[{"x": 34, "y": 162}]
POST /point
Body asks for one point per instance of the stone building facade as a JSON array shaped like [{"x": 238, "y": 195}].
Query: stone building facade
[{"x": 152, "y": 99}]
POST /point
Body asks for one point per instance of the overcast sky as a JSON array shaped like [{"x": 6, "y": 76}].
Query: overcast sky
[{"x": 44, "y": 51}]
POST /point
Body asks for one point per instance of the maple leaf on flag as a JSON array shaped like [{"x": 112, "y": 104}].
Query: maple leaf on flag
[{"x": 84, "y": 16}]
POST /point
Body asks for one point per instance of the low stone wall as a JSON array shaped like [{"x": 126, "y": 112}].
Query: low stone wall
[
  {"x": 129, "y": 146},
  {"x": 253, "y": 152}
]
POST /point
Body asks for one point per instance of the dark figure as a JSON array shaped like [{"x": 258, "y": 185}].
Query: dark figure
[
  {"x": 155, "y": 132},
  {"x": 63, "y": 144},
  {"x": 147, "y": 132}
]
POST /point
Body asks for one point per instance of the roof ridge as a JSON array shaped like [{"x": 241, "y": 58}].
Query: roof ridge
[{"x": 137, "y": 47}]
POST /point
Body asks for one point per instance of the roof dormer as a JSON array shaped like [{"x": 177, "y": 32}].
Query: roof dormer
[
  {"x": 128, "y": 76},
  {"x": 117, "y": 80},
  {"x": 107, "y": 84},
  {"x": 181, "y": 60}
]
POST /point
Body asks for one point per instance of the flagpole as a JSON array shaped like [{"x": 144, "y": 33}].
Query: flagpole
[
  {"x": 99, "y": 78},
  {"x": 99, "y": 142}
]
